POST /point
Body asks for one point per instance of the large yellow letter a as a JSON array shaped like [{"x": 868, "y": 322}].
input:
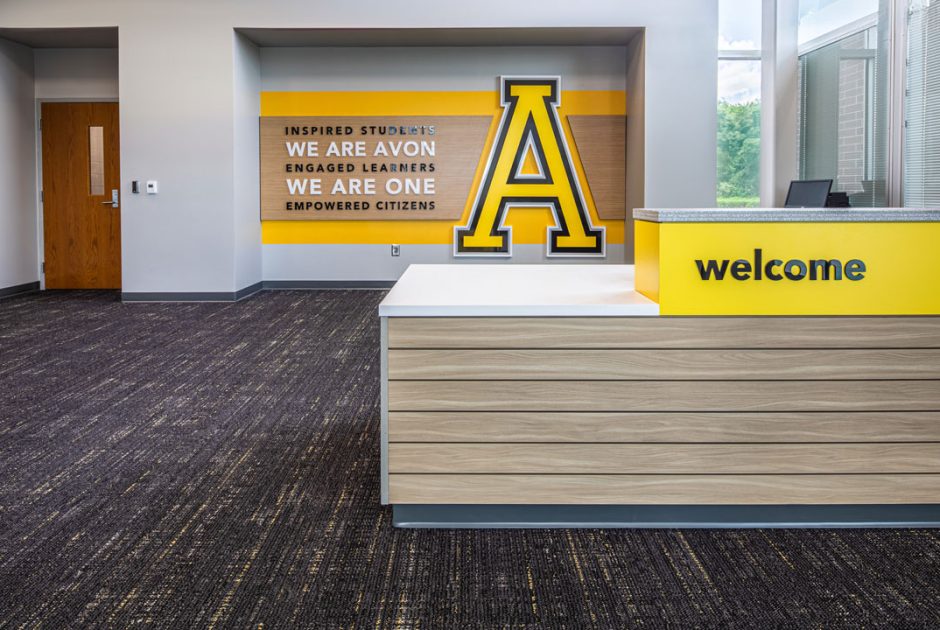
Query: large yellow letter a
[{"x": 529, "y": 127}]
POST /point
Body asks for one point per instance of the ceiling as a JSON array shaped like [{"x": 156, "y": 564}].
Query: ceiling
[
  {"x": 107, "y": 37},
  {"x": 339, "y": 37},
  {"x": 93, "y": 37}
]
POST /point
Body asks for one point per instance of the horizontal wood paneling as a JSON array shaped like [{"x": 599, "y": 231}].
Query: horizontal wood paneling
[
  {"x": 497, "y": 364},
  {"x": 688, "y": 427},
  {"x": 667, "y": 410},
  {"x": 665, "y": 489},
  {"x": 664, "y": 458},
  {"x": 664, "y": 332},
  {"x": 663, "y": 396}
]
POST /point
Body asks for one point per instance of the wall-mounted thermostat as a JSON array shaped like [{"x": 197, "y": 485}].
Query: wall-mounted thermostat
[{"x": 152, "y": 187}]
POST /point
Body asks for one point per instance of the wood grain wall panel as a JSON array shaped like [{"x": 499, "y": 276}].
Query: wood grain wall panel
[
  {"x": 665, "y": 489},
  {"x": 664, "y": 332},
  {"x": 688, "y": 427},
  {"x": 601, "y": 142},
  {"x": 664, "y": 458},
  {"x": 664, "y": 396},
  {"x": 655, "y": 365},
  {"x": 458, "y": 144}
]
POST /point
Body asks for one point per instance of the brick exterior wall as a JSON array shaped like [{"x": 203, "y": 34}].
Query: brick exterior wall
[{"x": 853, "y": 106}]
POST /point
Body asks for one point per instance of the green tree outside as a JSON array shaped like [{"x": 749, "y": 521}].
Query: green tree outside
[{"x": 738, "y": 154}]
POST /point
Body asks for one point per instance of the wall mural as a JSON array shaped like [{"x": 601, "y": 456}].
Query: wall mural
[{"x": 528, "y": 163}]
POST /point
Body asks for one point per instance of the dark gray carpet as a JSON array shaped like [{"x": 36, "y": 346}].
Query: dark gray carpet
[{"x": 216, "y": 465}]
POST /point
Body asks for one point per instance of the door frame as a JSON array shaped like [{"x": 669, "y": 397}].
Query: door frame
[{"x": 40, "y": 208}]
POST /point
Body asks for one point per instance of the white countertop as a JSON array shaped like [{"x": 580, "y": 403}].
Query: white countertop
[{"x": 501, "y": 290}]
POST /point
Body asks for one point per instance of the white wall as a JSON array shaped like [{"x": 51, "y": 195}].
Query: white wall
[
  {"x": 438, "y": 68},
  {"x": 76, "y": 73},
  {"x": 636, "y": 137},
  {"x": 177, "y": 93},
  {"x": 247, "y": 184},
  {"x": 19, "y": 262},
  {"x": 177, "y": 121},
  {"x": 681, "y": 111}
]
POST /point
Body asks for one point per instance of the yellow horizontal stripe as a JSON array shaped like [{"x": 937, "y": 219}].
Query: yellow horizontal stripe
[
  {"x": 529, "y": 225},
  {"x": 593, "y": 103},
  {"x": 573, "y": 103}
]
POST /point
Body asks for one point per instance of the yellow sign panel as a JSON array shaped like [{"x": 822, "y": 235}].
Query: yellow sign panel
[
  {"x": 596, "y": 117},
  {"x": 789, "y": 268}
]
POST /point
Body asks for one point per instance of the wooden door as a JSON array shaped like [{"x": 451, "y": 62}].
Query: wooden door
[{"x": 80, "y": 173}]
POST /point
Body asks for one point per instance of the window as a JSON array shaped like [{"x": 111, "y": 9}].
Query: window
[
  {"x": 820, "y": 19},
  {"x": 739, "y": 88},
  {"x": 922, "y": 106},
  {"x": 96, "y": 160},
  {"x": 842, "y": 105}
]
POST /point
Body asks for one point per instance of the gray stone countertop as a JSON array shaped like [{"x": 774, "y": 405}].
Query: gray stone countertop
[{"x": 786, "y": 215}]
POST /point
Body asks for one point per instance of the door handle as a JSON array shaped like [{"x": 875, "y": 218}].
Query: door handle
[{"x": 114, "y": 203}]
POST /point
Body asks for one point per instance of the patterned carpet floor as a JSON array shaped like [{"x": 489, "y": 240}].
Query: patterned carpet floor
[{"x": 216, "y": 465}]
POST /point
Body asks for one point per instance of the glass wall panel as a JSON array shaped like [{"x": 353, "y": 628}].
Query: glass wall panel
[
  {"x": 821, "y": 17},
  {"x": 922, "y": 106},
  {"x": 842, "y": 117}
]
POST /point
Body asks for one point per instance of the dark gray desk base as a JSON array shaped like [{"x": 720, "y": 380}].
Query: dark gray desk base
[{"x": 663, "y": 516}]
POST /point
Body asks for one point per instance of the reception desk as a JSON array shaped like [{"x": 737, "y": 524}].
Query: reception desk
[{"x": 517, "y": 395}]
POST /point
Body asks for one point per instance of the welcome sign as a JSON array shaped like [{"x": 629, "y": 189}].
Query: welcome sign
[
  {"x": 525, "y": 161},
  {"x": 789, "y": 268}
]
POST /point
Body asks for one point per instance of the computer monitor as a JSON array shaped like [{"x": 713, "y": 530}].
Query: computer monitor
[{"x": 810, "y": 193}]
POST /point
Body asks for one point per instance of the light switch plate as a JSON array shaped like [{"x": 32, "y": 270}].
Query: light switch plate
[
  {"x": 151, "y": 187},
  {"x": 396, "y": 250}
]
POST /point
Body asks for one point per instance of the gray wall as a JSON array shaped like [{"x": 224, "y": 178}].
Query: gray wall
[
  {"x": 70, "y": 73},
  {"x": 433, "y": 68},
  {"x": 636, "y": 137},
  {"x": 247, "y": 184},
  {"x": 177, "y": 127},
  {"x": 178, "y": 108},
  {"x": 19, "y": 262}
]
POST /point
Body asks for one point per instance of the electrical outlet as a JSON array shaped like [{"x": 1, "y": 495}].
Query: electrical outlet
[{"x": 396, "y": 250}]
